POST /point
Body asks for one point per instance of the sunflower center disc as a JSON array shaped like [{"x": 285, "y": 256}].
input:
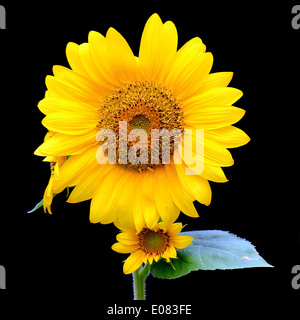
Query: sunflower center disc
[
  {"x": 140, "y": 122},
  {"x": 153, "y": 242},
  {"x": 146, "y": 106}
]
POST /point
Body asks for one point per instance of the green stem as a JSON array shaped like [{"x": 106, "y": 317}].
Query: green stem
[{"x": 139, "y": 279}]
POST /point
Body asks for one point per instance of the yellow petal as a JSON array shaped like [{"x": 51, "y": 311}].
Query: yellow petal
[
  {"x": 181, "y": 242},
  {"x": 174, "y": 228},
  {"x": 84, "y": 87},
  {"x": 206, "y": 171},
  {"x": 156, "y": 257},
  {"x": 166, "y": 207},
  {"x": 214, "y": 117},
  {"x": 87, "y": 182},
  {"x": 88, "y": 62},
  {"x": 216, "y": 80},
  {"x": 126, "y": 221},
  {"x": 216, "y": 154},
  {"x": 124, "y": 248},
  {"x": 71, "y": 123},
  {"x": 171, "y": 252},
  {"x": 115, "y": 196},
  {"x": 133, "y": 262},
  {"x": 138, "y": 216},
  {"x": 197, "y": 185},
  {"x": 168, "y": 49},
  {"x": 229, "y": 137},
  {"x": 50, "y": 105},
  {"x": 126, "y": 201},
  {"x": 72, "y": 52},
  {"x": 163, "y": 225},
  {"x": 212, "y": 98},
  {"x": 158, "y": 47},
  {"x": 122, "y": 60},
  {"x": 70, "y": 85},
  {"x": 71, "y": 169},
  {"x": 104, "y": 205},
  {"x": 212, "y": 173},
  {"x": 204, "y": 151},
  {"x": 128, "y": 238},
  {"x": 180, "y": 197},
  {"x": 189, "y": 69},
  {"x": 99, "y": 53},
  {"x": 61, "y": 144},
  {"x": 48, "y": 196},
  {"x": 150, "y": 259},
  {"x": 150, "y": 212},
  {"x": 193, "y": 46}
]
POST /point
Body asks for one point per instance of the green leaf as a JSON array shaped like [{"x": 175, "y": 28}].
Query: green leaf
[
  {"x": 210, "y": 250},
  {"x": 37, "y": 206},
  {"x": 40, "y": 204}
]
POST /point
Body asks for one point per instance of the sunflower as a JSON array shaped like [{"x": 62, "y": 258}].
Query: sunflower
[
  {"x": 150, "y": 244},
  {"x": 162, "y": 89}
]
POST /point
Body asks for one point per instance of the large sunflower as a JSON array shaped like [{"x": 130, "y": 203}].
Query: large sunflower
[{"x": 162, "y": 88}]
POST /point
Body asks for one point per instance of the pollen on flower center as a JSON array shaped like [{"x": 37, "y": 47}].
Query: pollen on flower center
[
  {"x": 153, "y": 242},
  {"x": 142, "y": 105}
]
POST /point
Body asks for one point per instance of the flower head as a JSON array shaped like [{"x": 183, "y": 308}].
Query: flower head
[
  {"x": 162, "y": 89},
  {"x": 150, "y": 244}
]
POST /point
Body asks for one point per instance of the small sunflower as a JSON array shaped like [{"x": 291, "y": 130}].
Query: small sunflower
[
  {"x": 161, "y": 89},
  {"x": 150, "y": 244}
]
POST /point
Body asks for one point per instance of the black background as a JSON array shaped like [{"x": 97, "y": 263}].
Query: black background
[{"x": 54, "y": 257}]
